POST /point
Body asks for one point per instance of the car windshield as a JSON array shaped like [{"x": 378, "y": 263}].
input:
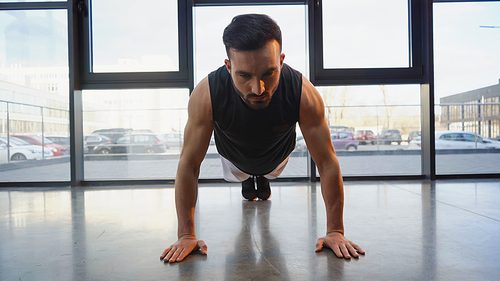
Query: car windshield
[{"x": 39, "y": 139}]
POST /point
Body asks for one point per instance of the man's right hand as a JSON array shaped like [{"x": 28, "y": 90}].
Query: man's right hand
[{"x": 183, "y": 247}]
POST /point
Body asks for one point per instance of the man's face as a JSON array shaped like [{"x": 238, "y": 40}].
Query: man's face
[{"x": 256, "y": 73}]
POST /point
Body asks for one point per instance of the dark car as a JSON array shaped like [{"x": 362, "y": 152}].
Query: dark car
[
  {"x": 104, "y": 143},
  {"x": 64, "y": 141},
  {"x": 413, "y": 135},
  {"x": 134, "y": 143},
  {"x": 343, "y": 140},
  {"x": 365, "y": 136},
  {"x": 390, "y": 136},
  {"x": 114, "y": 133}
]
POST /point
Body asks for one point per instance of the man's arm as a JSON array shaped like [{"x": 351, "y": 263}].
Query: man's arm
[
  {"x": 197, "y": 135},
  {"x": 317, "y": 136}
]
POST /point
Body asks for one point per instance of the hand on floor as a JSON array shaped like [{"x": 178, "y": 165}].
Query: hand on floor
[
  {"x": 180, "y": 249},
  {"x": 339, "y": 245}
]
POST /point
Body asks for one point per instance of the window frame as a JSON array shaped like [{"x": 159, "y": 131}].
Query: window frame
[
  {"x": 414, "y": 74},
  {"x": 182, "y": 78}
]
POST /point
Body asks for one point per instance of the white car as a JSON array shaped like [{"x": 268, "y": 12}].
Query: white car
[
  {"x": 21, "y": 150},
  {"x": 458, "y": 140}
]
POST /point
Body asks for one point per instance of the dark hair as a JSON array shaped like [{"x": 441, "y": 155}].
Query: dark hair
[{"x": 250, "y": 32}]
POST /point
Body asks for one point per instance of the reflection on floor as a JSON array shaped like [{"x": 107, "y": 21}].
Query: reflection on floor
[{"x": 412, "y": 230}]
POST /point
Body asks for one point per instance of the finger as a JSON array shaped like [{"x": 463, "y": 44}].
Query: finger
[
  {"x": 203, "y": 247},
  {"x": 345, "y": 252},
  {"x": 169, "y": 254},
  {"x": 352, "y": 251},
  {"x": 319, "y": 244},
  {"x": 182, "y": 255},
  {"x": 165, "y": 253},
  {"x": 358, "y": 248},
  {"x": 337, "y": 251},
  {"x": 175, "y": 255}
]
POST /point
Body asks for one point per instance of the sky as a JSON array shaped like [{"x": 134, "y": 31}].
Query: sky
[{"x": 466, "y": 56}]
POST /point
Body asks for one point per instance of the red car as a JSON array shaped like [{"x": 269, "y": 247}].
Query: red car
[
  {"x": 57, "y": 149},
  {"x": 364, "y": 136}
]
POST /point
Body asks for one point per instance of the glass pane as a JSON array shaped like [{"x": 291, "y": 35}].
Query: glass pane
[
  {"x": 379, "y": 121},
  {"x": 210, "y": 54},
  {"x": 210, "y": 22},
  {"x": 134, "y": 36},
  {"x": 467, "y": 89},
  {"x": 133, "y": 134},
  {"x": 365, "y": 34},
  {"x": 34, "y": 97}
]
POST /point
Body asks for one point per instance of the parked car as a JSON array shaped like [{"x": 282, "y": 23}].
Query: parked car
[
  {"x": 64, "y": 141},
  {"x": 390, "y": 136},
  {"x": 134, "y": 143},
  {"x": 20, "y": 150},
  {"x": 91, "y": 141},
  {"x": 114, "y": 133},
  {"x": 57, "y": 149},
  {"x": 365, "y": 136},
  {"x": 172, "y": 139},
  {"x": 341, "y": 140},
  {"x": 413, "y": 135},
  {"x": 458, "y": 140}
]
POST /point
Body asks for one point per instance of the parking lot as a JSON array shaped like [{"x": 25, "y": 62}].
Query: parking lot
[{"x": 366, "y": 161}]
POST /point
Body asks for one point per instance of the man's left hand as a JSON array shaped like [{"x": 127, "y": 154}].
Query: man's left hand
[{"x": 342, "y": 247}]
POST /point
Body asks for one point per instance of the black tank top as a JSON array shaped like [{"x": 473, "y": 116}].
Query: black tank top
[{"x": 255, "y": 141}]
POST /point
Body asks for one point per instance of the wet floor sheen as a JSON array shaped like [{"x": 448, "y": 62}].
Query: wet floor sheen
[{"x": 411, "y": 230}]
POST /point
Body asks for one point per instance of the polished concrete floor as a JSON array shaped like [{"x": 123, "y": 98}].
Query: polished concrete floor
[{"x": 411, "y": 230}]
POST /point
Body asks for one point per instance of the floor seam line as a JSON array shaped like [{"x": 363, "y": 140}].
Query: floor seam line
[{"x": 448, "y": 204}]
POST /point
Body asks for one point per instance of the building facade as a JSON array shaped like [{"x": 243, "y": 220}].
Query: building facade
[{"x": 475, "y": 111}]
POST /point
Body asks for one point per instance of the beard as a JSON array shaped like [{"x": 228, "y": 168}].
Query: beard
[{"x": 262, "y": 101}]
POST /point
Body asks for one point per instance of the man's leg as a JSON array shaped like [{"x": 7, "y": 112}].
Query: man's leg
[
  {"x": 233, "y": 174},
  {"x": 263, "y": 187},
  {"x": 263, "y": 192},
  {"x": 248, "y": 189}
]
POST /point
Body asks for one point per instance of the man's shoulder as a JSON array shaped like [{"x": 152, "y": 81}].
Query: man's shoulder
[
  {"x": 288, "y": 70},
  {"x": 220, "y": 72}
]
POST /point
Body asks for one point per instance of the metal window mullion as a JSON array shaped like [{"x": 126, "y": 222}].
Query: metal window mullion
[{"x": 75, "y": 96}]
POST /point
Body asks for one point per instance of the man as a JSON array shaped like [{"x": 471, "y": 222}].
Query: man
[{"x": 252, "y": 104}]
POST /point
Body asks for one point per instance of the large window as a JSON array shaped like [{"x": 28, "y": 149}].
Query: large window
[
  {"x": 467, "y": 87},
  {"x": 368, "y": 42},
  {"x": 371, "y": 128},
  {"x": 133, "y": 134},
  {"x": 210, "y": 54},
  {"x": 365, "y": 34},
  {"x": 134, "y": 43},
  {"x": 135, "y": 64},
  {"x": 134, "y": 37},
  {"x": 34, "y": 96}
]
